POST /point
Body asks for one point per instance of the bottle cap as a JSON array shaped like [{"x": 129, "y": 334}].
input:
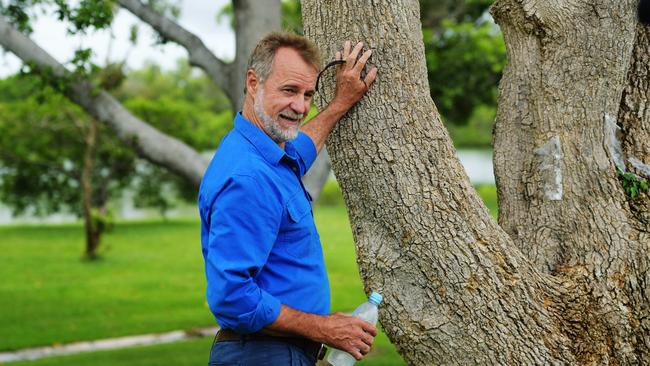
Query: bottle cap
[{"x": 375, "y": 298}]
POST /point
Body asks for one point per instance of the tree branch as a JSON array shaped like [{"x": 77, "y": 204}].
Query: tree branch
[
  {"x": 199, "y": 54},
  {"x": 149, "y": 143}
]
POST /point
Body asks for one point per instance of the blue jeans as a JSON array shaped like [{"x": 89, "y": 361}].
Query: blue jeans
[{"x": 258, "y": 353}]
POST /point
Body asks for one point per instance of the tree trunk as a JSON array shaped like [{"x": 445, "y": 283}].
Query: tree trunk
[
  {"x": 459, "y": 289},
  {"x": 253, "y": 19},
  {"x": 317, "y": 175},
  {"x": 92, "y": 232}
]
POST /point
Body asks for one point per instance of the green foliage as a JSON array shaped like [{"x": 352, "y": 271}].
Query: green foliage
[
  {"x": 464, "y": 65},
  {"x": 477, "y": 132},
  {"x": 632, "y": 183},
  {"x": 488, "y": 193},
  {"x": 87, "y": 15},
  {"x": 16, "y": 12},
  {"x": 292, "y": 16},
  {"x": 41, "y": 151},
  {"x": 433, "y": 12},
  {"x": 183, "y": 105},
  {"x": 42, "y": 143}
]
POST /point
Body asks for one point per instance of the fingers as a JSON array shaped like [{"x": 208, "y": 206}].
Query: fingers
[
  {"x": 362, "y": 61},
  {"x": 352, "y": 57},
  {"x": 370, "y": 77},
  {"x": 369, "y": 329},
  {"x": 346, "y": 49}
]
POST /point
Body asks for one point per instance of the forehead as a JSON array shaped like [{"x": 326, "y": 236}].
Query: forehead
[{"x": 289, "y": 67}]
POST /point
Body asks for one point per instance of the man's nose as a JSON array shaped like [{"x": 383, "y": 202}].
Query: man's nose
[{"x": 299, "y": 104}]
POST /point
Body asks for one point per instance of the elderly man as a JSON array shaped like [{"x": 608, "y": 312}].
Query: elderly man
[{"x": 266, "y": 280}]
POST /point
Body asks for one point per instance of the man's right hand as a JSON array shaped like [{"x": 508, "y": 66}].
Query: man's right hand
[{"x": 347, "y": 333}]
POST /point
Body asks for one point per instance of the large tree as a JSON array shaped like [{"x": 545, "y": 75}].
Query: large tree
[{"x": 563, "y": 277}]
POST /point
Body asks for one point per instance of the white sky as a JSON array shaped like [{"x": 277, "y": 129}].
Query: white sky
[{"x": 198, "y": 16}]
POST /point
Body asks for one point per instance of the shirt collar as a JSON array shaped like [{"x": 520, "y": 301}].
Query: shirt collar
[{"x": 258, "y": 138}]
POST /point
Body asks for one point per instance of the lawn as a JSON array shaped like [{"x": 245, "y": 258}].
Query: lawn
[{"x": 150, "y": 279}]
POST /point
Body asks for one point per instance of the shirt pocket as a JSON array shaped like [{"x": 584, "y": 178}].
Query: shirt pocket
[{"x": 296, "y": 234}]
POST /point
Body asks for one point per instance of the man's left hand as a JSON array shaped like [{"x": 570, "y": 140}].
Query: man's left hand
[{"x": 350, "y": 87}]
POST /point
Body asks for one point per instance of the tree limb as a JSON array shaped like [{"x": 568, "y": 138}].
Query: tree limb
[
  {"x": 199, "y": 54},
  {"x": 149, "y": 143}
]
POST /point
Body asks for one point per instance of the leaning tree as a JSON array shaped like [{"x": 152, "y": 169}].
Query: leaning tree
[{"x": 563, "y": 277}]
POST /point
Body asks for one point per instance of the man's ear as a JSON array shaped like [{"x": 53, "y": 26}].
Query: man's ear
[
  {"x": 644, "y": 11},
  {"x": 252, "y": 83}
]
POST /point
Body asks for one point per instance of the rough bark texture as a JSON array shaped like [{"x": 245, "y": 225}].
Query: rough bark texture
[
  {"x": 148, "y": 142},
  {"x": 634, "y": 119},
  {"x": 557, "y": 145},
  {"x": 563, "y": 284}
]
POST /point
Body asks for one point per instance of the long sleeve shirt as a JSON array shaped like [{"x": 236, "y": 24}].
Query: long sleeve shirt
[{"x": 259, "y": 242}]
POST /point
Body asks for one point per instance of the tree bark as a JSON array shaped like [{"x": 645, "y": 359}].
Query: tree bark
[
  {"x": 148, "y": 142},
  {"x": 318, "y": 174},
  {"x": 253, "y": 19},
  {"x": 558, "y": 285}
]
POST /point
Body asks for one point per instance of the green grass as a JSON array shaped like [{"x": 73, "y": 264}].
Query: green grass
[
  {"x": 488, "y": 193},
  {"x": 149, "y": 280}
]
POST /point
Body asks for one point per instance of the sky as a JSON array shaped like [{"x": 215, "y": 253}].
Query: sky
[{"x": 198, "y": 16}]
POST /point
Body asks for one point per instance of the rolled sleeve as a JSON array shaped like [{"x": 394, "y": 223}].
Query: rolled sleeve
[
  {"x": 306, "y": 150},
  {"x": 243, "y": 228}
]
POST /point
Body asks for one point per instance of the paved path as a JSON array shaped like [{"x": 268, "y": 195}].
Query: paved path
[{"x": 106, "y": 344}]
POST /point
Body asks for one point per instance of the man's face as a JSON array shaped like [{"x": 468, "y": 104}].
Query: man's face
[{"x": 282, "y": 102}]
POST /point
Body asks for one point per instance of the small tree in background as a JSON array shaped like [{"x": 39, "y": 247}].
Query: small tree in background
[{"x": 56, "y": 158}]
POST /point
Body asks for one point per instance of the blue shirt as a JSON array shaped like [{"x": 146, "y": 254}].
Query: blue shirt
[{"x": 259, "y": 241}]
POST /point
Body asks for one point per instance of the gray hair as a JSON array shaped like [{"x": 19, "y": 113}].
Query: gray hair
[{"x": 261, "y": 59}]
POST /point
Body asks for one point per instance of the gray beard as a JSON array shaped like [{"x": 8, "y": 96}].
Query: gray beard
[{"x": 272, "y": 126}]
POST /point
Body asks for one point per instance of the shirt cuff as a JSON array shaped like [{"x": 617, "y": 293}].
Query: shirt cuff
[
  {"x": 267, "y": 310},
  {"x": 305, "y": 148}
]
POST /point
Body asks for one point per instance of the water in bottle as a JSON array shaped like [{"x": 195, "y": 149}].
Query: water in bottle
[{"x": 367, "y": 311}]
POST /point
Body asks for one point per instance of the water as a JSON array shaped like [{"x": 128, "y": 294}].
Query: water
[{"x": 477, "y": 163}]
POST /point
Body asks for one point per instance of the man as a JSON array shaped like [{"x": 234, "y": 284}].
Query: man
[{"x": 266, "y": 280}]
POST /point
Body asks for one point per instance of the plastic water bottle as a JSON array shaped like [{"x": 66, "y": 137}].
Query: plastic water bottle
[{"x": 367, "y": 311}]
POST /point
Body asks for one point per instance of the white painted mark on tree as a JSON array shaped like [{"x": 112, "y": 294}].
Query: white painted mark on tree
[
  {"x": 550, "y": 167},
  {"x": 613, "y": 142},
  {"x": 640, "y": 166}
]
